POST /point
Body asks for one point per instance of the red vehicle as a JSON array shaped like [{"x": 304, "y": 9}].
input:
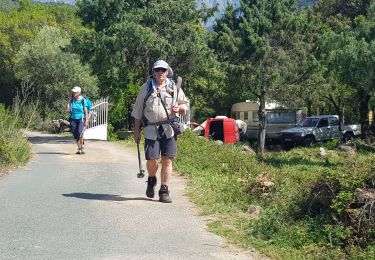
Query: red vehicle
[{"x": 223, "y": 129}]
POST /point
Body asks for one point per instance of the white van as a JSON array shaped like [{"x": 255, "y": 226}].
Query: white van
[{"x": 277, "y": 118}]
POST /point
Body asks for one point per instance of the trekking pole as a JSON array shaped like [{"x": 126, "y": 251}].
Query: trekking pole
[
  {"x": 141, "y": 173},
  {"x": 84, "y": 127}
]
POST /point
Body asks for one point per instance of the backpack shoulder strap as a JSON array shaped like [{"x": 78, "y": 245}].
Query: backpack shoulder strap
[
  {"x": 71, "y": 105},
  {"x": 149, "y": 92}
]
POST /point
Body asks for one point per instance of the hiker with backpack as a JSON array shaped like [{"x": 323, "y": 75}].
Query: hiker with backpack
[
  {"x": 158, "y": 103},
  {"x": 78, "y": 108}
]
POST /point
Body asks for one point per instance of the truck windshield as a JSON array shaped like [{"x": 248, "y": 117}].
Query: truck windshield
[{"x": 309, "y": 122}]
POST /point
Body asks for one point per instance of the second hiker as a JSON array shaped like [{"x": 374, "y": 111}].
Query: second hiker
[
  {"x": 158, "y": 101},
  {"x": 77, "y": 107}
]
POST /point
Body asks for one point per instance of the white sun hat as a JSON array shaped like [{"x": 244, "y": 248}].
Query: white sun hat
[
  {"x": 76, "y": 89},
  {"x": 165, "y": 65}
]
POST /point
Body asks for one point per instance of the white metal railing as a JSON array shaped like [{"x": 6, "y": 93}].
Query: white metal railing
[
  {"x": 98, "y": 122},
  {"x": 99, "y": 113}
]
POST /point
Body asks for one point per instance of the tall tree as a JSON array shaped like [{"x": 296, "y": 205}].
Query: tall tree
[
  {"x": 257, "y": 42},
  {"x": 130, "y": 35},
  {"x": 351, "y": 61},
  {"x": 21, "y": 25},
  {"x": 50, "y": 71},
  {"x": 347, "y": 8}
]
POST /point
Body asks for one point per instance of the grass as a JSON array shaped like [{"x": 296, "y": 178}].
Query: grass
[
  {"x": 303, "y": 216},
  {"x": 14, "y": 148}
]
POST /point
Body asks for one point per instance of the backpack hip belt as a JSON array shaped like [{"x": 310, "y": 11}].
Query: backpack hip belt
[{"x": 168, "y": 121}]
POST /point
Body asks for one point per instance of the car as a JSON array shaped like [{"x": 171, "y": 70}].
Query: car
[{"x": 318, "y": 128}]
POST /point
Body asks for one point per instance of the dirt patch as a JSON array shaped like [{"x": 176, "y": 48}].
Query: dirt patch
[{"x": 6, "y": 169}]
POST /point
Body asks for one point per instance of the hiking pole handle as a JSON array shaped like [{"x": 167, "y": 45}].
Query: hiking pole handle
[{"x": 141, "y": 173}]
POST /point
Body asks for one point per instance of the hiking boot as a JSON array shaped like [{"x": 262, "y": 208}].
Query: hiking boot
[
  {"x": 164, "y": 194},
  {"x": 151, "y": 183}
]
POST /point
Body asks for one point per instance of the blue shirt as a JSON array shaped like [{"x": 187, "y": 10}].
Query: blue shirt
[{"x": 76, "y": 108}]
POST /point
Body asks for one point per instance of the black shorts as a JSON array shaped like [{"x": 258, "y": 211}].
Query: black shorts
[
  {"x": 76, "y": 127},
  {"x": 163, "y": 146}
]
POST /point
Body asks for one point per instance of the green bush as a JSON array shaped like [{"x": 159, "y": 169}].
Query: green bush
[{"x": 14, "y": 148}]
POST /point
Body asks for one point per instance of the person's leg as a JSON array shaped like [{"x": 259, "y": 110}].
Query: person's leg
[
  {"x": 74, "y": 125},
  {"x": 152, "y": 153},
  {"x": 80, "y": 126},
  {"x": 168, "y": 152},
  {"x": 152, "y": 167},
  {"x": 80, "y": 145},
  {"x": 166, "y": 170}
]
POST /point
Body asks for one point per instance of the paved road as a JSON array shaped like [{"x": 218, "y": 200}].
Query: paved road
[{"x": 68, "y": 206}]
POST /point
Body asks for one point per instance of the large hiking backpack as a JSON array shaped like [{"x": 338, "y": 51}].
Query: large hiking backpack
[
  {"x": 150, "y": 89},
  {"x": 178, "y": 126},
  {"x": 89, "y": 104}
]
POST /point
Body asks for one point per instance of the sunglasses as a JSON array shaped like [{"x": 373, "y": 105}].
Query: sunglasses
[{"x": 160, "y": 70}]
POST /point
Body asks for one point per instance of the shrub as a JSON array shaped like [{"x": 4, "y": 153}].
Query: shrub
[
  {"x": 304, "y": 215},
  {"x": 14, "y": 148}
]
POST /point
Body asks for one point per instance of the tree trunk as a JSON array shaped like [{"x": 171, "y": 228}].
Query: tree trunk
[
  {"x": 337, "y": 105},
  {"x": 372, "y": 118},
  {"x": 364, "y": 99},
  {"x": 262, "y": 122},
  {"x": 309, "y": 107}
]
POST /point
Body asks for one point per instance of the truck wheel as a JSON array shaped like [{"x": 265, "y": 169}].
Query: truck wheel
[
  {"x": 347, "y": 138},
  {"x": 287, "y": 146},
  {"x": 309, "y": 141}
]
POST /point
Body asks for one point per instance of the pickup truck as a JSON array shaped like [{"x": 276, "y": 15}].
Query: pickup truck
[{"x": 318, "y": 128}]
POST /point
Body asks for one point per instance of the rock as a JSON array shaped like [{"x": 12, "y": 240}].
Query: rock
[
  {"x": 301, "y": 153},
  {"x": 265, "y": 195},
  {"x": 265, "y": 183},
  {"x": 247, "y": 149},
  {"x": 254, "y": 211},
  {"x": 256, "y": 190},
  {"x": 60, "y": 124},
  {"x": 322, "y": 152},
  {"x": 351, "y": 151},
  {"x": 365, "y": 195},
  {"x": 354, "y": 213},
  {"x": 219, "y": 142},
  {"x": 268, "y": 184},
  {"x": 64, "y": 122},
  {"x": 262, "y": 177},
  {"x": 361, "y": 210}
]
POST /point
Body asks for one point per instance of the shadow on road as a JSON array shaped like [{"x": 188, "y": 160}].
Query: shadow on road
[
  {"x": 52, "y": 153},
  {"x": 50, "y": 139},
  {"x": 95, "y": 196}
]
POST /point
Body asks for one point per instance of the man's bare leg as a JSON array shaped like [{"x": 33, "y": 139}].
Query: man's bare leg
[
  {"x": 152, "y": 168},
  {"x": 166, "y": 171}
]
